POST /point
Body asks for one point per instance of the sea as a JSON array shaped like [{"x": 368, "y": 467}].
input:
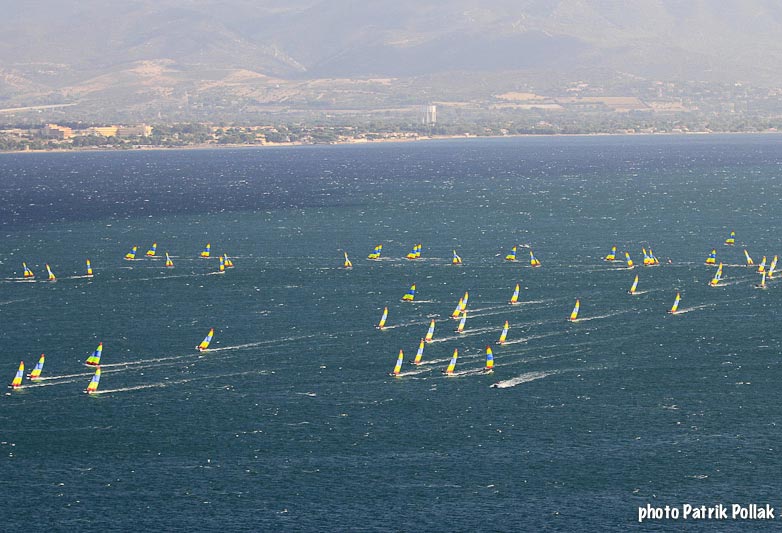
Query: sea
[{"x": 290, "y": 420}]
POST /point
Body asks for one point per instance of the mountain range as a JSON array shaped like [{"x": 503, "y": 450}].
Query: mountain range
[{"x": 144, "y": 56}]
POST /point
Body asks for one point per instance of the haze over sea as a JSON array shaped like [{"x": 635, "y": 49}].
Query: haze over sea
[{"x": 290, "y": 421}]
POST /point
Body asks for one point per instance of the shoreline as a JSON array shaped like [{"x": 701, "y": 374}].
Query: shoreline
[{"x": 214, "y": 146}]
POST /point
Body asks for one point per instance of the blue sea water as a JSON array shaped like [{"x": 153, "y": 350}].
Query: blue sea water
[{"x": 291, "y": 422}]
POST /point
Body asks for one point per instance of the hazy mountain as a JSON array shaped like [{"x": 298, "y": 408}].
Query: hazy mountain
[{"x": 145, "y": 50}]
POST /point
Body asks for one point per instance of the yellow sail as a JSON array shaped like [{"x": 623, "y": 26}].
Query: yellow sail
[
  {"x": 347, "y": 263},
  {"x": 634, "y": 286},
  {"x": 382, "y": 323},
  {"x": 398, "y": 367},
  {"x": 419, "y": 354},
  {"x": 628, "y": 260},
  {"x": 749, "y": 259},
  {"x": 574, "y": 313},
  {"x": 452, "y": 364},
  {"x": 514, "y": 299},
  {"x": 504, "y": 333},
  {"x": 675, "y": 306},
  {"x": 462, "y": 322},
  {"x": 612, "y": 255}
]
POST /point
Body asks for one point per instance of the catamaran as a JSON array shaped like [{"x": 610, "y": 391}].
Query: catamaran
[
  {"x": 731, "y": 240},
  {"x": 762, "y": 265},
  {"x": 648, "y": 261},
  {"x": 712, "y": 259},
  {"x": 206, "y": 251},
  {"x": 35, "y": 375},
  {"x": 49, "y": 272},
  {"x": 94, "y": 359},
  {"x": 93, "y": 385},
  {"x": 415, "y": 253},
  {"x": 574, "y": 313},
  {"x": 205, "y": 343},
  {"x": 654, "y": 259},
  {"x": 504, "y": 333},
  {"x": 717, "y": 277},
  {"x": 89, "y": 269},
  {"x": 462, "y": 322},
  {"x": 772, "y": 268},
  {"x": 452, "y": 365},
  {"x": 169, "y": 262},
  {"x": 376, "y": 254},
  {"x": 749, "y": 259},
  {"x": 221, "y": 266},
  {"x": 17, "y": 382},
  {"x": 152, "y": 250},
  {"x": 419, "y": 354},
  {"x": 456, "y": 259},
  {"x": 489, "y": 368},
  {"x": 398, "y": 367},
  {"x": 347, "y": 263},
  {"x": 430, "y": 332},
  {"x": 634, "y": 286},
  {"x": 533, "y": 262},
  {"x": 409, "y": 296},
  {"x": 628, "y": 261},
  {"x": 512, "y": 255},
  {"x": 131, "y": 255},
  {"x": 28, "y": 274},
  {"x": 762, "y": 284},
  {"x": 227, "y": 261},
  {"x": 514, "y": 299},
  {"x": 675, "y": 307},
  {"x": 382, "y": 323},
  {"x": 611, "y": 255}
]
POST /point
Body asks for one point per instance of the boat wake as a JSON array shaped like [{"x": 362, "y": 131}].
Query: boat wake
[{"x": 523, "y": 378}]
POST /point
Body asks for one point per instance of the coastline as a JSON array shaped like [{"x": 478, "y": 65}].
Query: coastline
[{"x": 215, "y": 146}]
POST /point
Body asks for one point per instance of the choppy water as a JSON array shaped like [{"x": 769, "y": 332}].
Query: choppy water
[{"x": 291, "y": 422}]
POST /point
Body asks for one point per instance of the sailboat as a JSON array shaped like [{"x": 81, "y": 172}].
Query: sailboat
[
  {"x": 169, "y": 262},
  {"x": 152, "y": 251},
  {"x": 430, "y": 332},
  {"x": 89, "y": 269},
  {"x": 347, "y": 263},
  {"x": 489, "y": 368},
  {"x": 93, "y": 385},
  {"x": 458, "y": 310},
  {"x": 419, "y": 354},
  {"x": 17, "y": 382},
  {"x": 462, "y": 322},
  {"x": 504, "y": 333},
  {"x": 654, "y": 259},
  {"x": 749, "y": 259},
  {"x": 628, "y": 261},
  {"x": 533, "y": 262},
  {"x": 731, "y": 240},
  {"x": 452, "y": 365},
  {"x": 28, "y": 274},
  {"x": 227, "y": 261},
  {"x": 376, "y": 253},
  {"x": 611, "y": 255},
  {"x": 94, "y": 359},
  {"x": 634, "y": 286},
  {"x": 712, "y": 259},
  {"x": 221, "y": 267},
  {"x": 415, "y": 253},
  {"x": 762, "y": 284},
  {"x": 762, "y": 265},
  {"x": 398, "y": 366},
  {"x": 35, "y": 375},
  {"x": 772, "y": 267},
  {"x": 465, "y": 298},
  {"x": 206, "y": 251},
  {"x": 208, "y": 339},
  {"x": 717, "y": 276},
  {"x": 514, "y": 299},
  {"x": 512, "y": 255},
  {"x": 574, "y": 313},
  {"x": 409, "y": 296},
  {"x": 131, "y": 255},
  {"x": 675, "y": 307},
  {"x": 648, "y": 261},
  {"x": 51, "y": 275},
  {"x": 456, "y": 259},
  {"x": 382, "y": 323}
]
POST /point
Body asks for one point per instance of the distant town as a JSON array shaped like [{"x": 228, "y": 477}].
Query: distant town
[{"x": 578, "y": 109}]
